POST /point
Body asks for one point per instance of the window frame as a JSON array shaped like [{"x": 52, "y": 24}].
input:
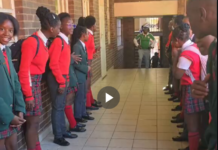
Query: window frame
[
  {"x": 108, "y": 22},
  {"x": 61, "y": 6},
  {"x": 119, "y": 34},
  {"x": 85, "y": 7}
]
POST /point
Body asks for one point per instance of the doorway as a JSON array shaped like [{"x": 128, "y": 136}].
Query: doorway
[{"x": 102, "y": 39}]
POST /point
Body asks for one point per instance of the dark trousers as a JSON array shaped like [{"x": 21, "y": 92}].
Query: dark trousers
[
  {"x": 80, "y": 102},
  {"x": 58, "y": 106}
]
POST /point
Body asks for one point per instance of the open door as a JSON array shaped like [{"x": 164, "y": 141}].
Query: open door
[{"x": 102, "y": 39}]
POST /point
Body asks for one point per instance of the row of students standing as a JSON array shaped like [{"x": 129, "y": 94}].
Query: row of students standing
[
  {"x": 66, "y": 69},
  {"x": 189, "y": 66}
]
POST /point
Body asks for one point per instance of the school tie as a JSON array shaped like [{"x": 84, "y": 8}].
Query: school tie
[{"x": 4, "y": 52}]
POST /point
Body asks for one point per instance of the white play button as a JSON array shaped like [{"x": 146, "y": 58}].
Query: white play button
[{"x": 108, "y": 97}]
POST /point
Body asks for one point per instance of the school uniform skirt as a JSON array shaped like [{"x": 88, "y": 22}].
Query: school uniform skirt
[
  {"x": 36, "y": 90},
  {"x": 191, "y": 105},
  {"x": 7, "y": 133},
  {"x": 72, "y": 90}
]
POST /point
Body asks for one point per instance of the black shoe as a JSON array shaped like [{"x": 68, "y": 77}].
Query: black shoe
[
  {"x": 88, "y": 118},
  {"x": 96, "y": 105},
  {"x": 81, "y": 125},
  {"x": 61, "y": 142},
  {"x": 176, "y": 100},
  {"x": 78, "y": 120},
  {"x": 177, "y": 108},
  {"x": 97, "y": 102},
  {"x": 169, "y": 92},
  {"x": 187, "y": 148},
  {"x": 177, "y": 120},
  {"x": 177, "y": 116},
  {"x": 166, "y": 88},
  {"x": 69, "y": 135},
  {"x": 78, "y": 129},
  {"x": 92, "y": 108},
  {"x": 89, "y": 113},
  {"x": 180, "y": 139},
  {"x": 172, "y": 98},
  {"x": 180, "y": 126}
]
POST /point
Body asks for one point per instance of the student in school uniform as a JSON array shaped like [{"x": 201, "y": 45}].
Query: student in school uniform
[
  {"x": 58, "y": 79},
  {"x": 66, "y": 31},
  {"x": 81, "y": 22},
  {"x": 81, "y": 70},
  {"x": 32, "y": 67},
  {"x": 90, "y": 22},
  {"x": 12, "y": 106},
  {"x": 203, "y": 20},
  {"x": 188, "y": 61}
]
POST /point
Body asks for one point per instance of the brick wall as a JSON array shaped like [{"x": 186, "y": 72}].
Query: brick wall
[{"x": 29, "y": 23}]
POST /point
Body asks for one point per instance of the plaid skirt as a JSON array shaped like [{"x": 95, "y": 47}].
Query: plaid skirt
[
  {"x": 72, "y": 90},
  {"x": 191, "y": 105},
  {"x": 7, "y": 133},
  {"x": 36, "y": 90}
]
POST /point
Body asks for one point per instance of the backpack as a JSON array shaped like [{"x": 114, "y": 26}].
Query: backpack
[
  {"x": 203, "y": 60},
  {"x": 16, "y": 52},
  {"x": 47, "y": 68}
]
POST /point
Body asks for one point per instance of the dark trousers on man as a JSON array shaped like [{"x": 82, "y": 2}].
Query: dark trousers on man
[
  {"x": 80, "y": 101},
  {"x": 58, "y": 106}
]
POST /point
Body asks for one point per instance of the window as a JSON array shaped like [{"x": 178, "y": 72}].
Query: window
[
  {"x": 119, "y": 33},
  {"x": 7, "y": 6},
  {"x": 85, "y": 8},
  {"x": 153, "y": 23},
  {"x": 61, "y": 6},
  {"x": 108, "y": 23}
]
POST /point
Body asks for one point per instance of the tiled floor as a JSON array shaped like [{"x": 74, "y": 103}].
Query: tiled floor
[{"x": 141, "y": 121}]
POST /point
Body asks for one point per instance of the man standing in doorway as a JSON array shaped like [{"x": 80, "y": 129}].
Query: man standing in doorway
[{"x": 147, "y": 42}]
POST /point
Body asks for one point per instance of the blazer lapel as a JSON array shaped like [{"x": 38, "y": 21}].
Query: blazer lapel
[{"x": 2, "y": 61}]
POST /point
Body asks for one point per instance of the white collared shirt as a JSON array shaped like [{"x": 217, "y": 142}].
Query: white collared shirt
[
  {"x": 42, "y": 36},
  {"x": 84, "y": 46},
  {"x": 183, "y": 62},
  {"x": 2, "y": 47},
  {"x": 186, "y": 44},
  {"x": 63, "y": 36},
  {"x": 90, "y": 31}
]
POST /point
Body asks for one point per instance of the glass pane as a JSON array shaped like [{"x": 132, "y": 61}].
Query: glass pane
[
  {"x": 119, "y": 41},
  {"x": 118, "y": 22},
  {"x": 118, "y": 31}
]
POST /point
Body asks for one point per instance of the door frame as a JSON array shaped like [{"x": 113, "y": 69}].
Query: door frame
[{"x": 102, "y": 30}]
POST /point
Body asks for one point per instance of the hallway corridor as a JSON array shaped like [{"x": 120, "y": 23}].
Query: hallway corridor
[{"x": 141, "y": 121}]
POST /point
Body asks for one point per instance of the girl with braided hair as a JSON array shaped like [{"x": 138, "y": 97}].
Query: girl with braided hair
[
  {"x": 188, "y": 69},
  {"x": 33, "y": 62}
]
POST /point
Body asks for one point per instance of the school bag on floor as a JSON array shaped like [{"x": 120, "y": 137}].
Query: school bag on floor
[{"x": 16, "y": 52}]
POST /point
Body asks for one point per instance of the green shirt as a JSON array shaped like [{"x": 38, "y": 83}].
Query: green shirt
[
  {"x": 211, "y": 132},
  {"x": 145, "y": 40}
]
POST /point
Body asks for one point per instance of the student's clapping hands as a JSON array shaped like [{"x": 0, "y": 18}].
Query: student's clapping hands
[
  {"x": 76, "y": 58},
  {"x": 200, "y": 89}
]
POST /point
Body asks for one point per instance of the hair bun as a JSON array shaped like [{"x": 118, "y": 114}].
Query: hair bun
[
  {"x": 42, "y": 12},
  {"x": 185, "y": 27}
]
